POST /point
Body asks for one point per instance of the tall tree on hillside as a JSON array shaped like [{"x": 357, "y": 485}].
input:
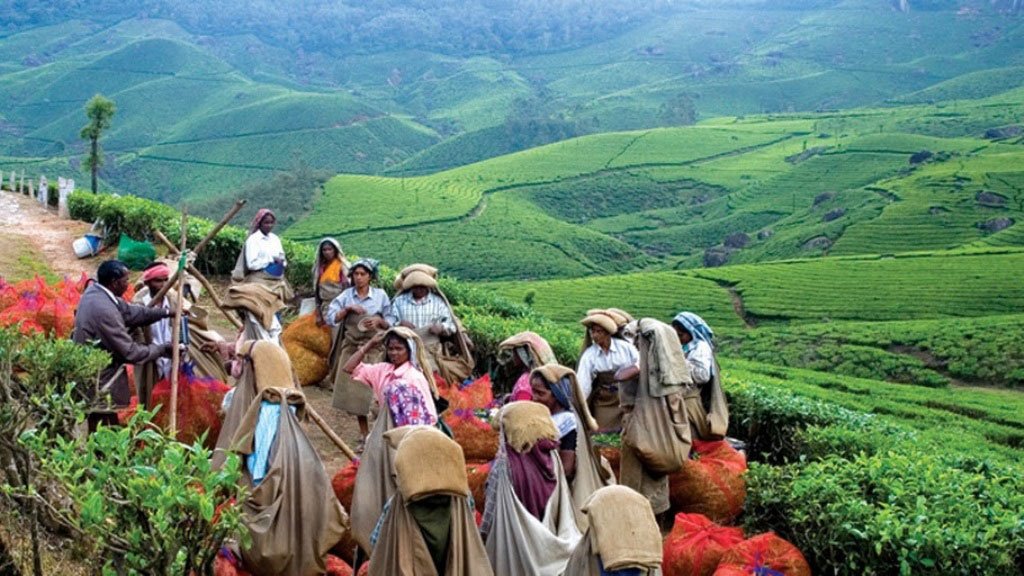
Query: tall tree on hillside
[{"x": 100, "y": 112}]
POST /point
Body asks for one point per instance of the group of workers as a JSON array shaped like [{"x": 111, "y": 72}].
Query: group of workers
[{"x": 553, "y": 505}]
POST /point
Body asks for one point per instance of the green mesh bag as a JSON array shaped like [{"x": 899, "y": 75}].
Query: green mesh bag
[{"x": 136, "y": 255}]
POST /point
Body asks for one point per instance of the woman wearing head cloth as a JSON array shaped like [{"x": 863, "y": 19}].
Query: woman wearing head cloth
[
  {"x": 330, "y": 275},
  {"x": 605, "y": 364},
  {"x": 406, "y": 398},
  {"x": 555, "y": 387},
  {"x": 706, "y": 405},
  {"x": 526, "y": 351},
  {"x": 356, "y": 315},
  {"x": 260, "y": 290}
]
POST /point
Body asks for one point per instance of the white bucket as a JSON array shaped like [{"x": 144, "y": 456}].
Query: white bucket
[{"x": 86, "y": 246}]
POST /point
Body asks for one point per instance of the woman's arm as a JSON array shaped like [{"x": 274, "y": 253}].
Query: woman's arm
[{"x": 356, "y": 359}]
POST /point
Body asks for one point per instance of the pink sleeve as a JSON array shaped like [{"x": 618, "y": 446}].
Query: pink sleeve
[
  {"x": 522, "y": 390},
  {"x": 370, "y": 374}
]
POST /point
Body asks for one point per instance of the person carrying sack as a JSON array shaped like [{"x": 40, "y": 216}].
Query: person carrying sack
[{"x": 656, "y": 437}]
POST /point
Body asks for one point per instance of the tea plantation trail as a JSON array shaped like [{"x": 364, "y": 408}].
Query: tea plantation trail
[{"x": 23, "y": 219}]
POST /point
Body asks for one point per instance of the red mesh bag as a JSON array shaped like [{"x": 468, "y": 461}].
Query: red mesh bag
[
  {"x": 476, "y": 395},
  {"x": 308, "y": 347},
  {"x": 476, "y": 474},
  {"x": 764, "y": 554},
  {"x": 711, "y": 484},
  {"x": 8, "y": 295},
  {"x": 125, "y": 414},
  {"x": 364, "y": 569},
  {"x": 478, "y": 439},
  {"x": 337, "y": 567},
  {"x": 345, "y": 548},
  {"x": 224, "y": 567},
  {"x": 344, "y": 482},
  {"x": 39, "y": 307},
  {"x": 199, "y": 402},
  {"x": 695, "y": 545}
]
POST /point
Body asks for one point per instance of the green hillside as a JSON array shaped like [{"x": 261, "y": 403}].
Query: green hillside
[{"x": 753, "y": 189}]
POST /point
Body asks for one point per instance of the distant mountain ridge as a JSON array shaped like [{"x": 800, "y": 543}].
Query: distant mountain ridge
[{"x": 206, "y": 108}]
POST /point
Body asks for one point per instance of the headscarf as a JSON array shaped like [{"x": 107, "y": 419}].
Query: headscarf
[
  {"x": 156, "y": 271},
  {"x": 563, "y": 378},
  {"x": 696, "y": 326},
  {"x": 318, "y": 266},
  {"x": 417, "y": 353},
  {"x": 368, "y": 264},
  {"x": 255, "y": 224}
]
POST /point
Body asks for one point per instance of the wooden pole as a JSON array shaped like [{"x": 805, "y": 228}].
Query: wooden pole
[
  {"x": 176, "y": 326},
  {"x": 202, "y": 280},
  {"x": 202, "y": 244},
  {"x": 319, "y": 420}
]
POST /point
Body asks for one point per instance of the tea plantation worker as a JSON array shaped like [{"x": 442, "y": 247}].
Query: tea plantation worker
[
  {"x": 356, "y": 315},
  {"x": 623, "y": 537},
  {"x": 103, "y": 319},
  {"x": 260, "y": 290},
  {"x": 330, "y": 275},
  {"x": 406, "y": 397},
  {"x": 555, "y": 387},
  {"x": 421, "y": 306},
  {"x": 427, "y": 526},
  {"x": 202, "y": 354},
  {"x": 291, "y": 512},
  {"x": 705, "y": 402},
  {"x": 656, "y": 435},
  {"x": 526, "y": 351},
  {"x": 605, "y": 363},
  {"x": 529, "y": 523}
]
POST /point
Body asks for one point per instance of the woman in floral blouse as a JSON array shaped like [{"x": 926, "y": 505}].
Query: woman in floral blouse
[{"x": 398, "y": 383}]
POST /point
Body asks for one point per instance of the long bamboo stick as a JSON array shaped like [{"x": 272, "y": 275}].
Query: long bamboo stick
[
  {"x": 319, "y": 420},
  {"x": 176, "y": 327}
]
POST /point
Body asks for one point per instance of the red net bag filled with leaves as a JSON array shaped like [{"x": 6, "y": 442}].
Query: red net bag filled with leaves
[
  {"x": 695, "y": 545},
  {"x": 308, "y": 347},
  {"x": 8, "y": 295},
  {"x": 344, "y": 482},
  {"x": 199, "y": 402},
  {"x": 711, "y": 482},
  {"x": 364, "y": 569},
  {"x": 222, "y": 566},
  {"x": 764, "y": 554},
  {"x": 477, "y": 395},
  {"x": 476, "y": 474},
  {"x": 478, "y": 439},
  {"x": 337, "y": 567},
  {"x": 125, "y": 414}
]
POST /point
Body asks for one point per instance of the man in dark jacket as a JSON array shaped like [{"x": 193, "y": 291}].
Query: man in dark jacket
[{"x": 103, "y": 319}]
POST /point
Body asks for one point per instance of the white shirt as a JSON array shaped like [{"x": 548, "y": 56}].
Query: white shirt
[
  {"x": 261, "y": 249},
  {"x": 620, "y": 354},
  {"x": 160, "y": 332},
  {"x": 701, "y": 359}
]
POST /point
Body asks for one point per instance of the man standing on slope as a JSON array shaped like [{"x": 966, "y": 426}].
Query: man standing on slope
[{"x": 102, "y": 320}]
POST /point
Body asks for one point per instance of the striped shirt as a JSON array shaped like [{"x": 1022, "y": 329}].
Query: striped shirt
[{"x": 431, "y": 310}]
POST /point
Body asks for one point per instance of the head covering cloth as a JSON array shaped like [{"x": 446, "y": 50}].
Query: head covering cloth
[
  {"x": 696, "y": 326},
  {"x": 369, "y": 264},
  {"x": 318, "y": 266},
  {"x": 531, "y": 348},
  {"x": 417, "y": 353},
  {"x": 556, "y": 375},
  {"x": 255, "y": 224},
  {"x": 156, "y": 271}
]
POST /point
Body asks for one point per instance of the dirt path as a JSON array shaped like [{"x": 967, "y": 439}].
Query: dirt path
[
  {"x": 33, "y": 239},
  {"x": 27, "y": 222}
]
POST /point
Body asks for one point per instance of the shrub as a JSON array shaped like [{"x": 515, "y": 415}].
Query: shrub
[{"x": 897, "y": 512}]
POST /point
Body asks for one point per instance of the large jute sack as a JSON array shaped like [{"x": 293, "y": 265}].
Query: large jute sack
[
  {"x": 476, "y": 476},
  {"x": 344, "y": 482},
  {"x": 479, "y": 440},
  {"x": 199, "y": 401},
  {"x": 427, "y": 462},
  {"x": 711, "y": 484},
  {"x": 696, "y": 545},
  {"x": 763, "y": 554},
  {"x": 308, "y": 347}
]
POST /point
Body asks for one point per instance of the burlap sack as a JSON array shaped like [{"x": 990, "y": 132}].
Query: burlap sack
[
  {"x": 525, "y": 423},
  {"x": 427, "y": 463},
  {"x": 625, "y": 532}
]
